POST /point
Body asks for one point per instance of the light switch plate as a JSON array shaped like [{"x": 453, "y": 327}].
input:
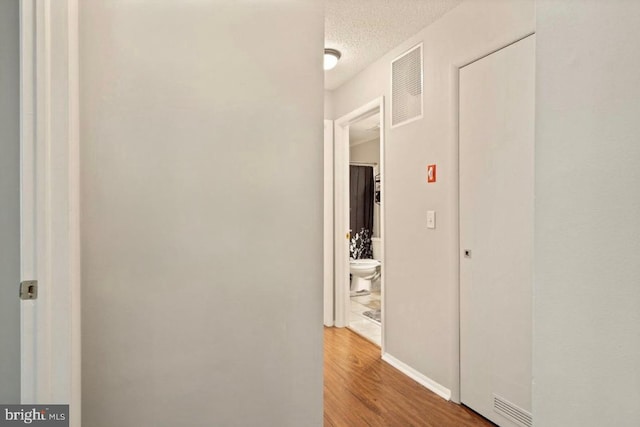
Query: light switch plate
[{"x": 431, "y": 219}]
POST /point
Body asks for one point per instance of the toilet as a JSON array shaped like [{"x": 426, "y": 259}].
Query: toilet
[{"x": 362, "y": 272}]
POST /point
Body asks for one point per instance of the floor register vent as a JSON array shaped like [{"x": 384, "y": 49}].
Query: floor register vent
[{"x": 511, "y": 411}]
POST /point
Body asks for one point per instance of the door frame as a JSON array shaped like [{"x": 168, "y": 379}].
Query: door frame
[
  {"x": 50, "y": 204},
  {"x": 341, "y": 209},
  {"x": 328, "y": 224}
]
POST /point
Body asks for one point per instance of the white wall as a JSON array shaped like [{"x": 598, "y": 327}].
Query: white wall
[
  {"x": 422, "y": 321},
  {"x": 587, "y": 287},
  {"x": 9, "y": 202},
  {"x": 201, "y": 213},
  {"x": 366, "y": 152},
  {"x": 328, "y": 106}
]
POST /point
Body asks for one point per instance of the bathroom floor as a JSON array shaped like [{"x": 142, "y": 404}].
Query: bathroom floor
[{"x": 364, "y": 325}]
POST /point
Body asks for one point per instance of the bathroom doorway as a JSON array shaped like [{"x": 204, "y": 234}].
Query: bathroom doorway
[{"x": 359, "y": 221}]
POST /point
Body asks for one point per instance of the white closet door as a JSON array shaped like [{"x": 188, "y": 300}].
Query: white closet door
[{"x": 497, "y": 99}]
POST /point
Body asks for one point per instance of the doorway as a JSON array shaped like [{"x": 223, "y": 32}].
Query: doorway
[
  {"x": 359, "y": 202},
  {"x": 496, "y": 233}
]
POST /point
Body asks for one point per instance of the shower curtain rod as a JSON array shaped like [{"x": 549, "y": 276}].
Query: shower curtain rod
[{"x": 363, "y": 164}]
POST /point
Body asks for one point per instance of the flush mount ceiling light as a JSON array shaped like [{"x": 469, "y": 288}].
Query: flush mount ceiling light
[{"x": 331, "y": 57}]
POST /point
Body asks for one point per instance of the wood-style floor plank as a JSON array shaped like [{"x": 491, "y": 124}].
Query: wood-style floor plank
[{"x": 362, "y": 390}]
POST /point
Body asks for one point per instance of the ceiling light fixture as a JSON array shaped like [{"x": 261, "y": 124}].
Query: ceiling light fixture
[{"x": 331, "y": 57}]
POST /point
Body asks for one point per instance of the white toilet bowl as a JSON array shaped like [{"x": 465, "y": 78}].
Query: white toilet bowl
[{"x": 362, "y": 271}]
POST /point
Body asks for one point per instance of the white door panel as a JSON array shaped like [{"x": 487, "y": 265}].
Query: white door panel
[{"x": 496, "y": 225}]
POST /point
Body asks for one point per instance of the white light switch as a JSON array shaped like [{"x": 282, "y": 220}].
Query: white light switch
[{"x": 431, "y": 219}]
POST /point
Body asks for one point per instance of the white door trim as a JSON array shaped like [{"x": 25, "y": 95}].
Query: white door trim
[
  {"x": 50, "y": 230},
  {"x": 328, "y": 223},
  {"x": 341, "y": 209},
  {"x": 27, "y": 198}
]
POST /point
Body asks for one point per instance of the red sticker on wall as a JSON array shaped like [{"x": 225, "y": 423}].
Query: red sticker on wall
[{"x": 431, "y": 173}]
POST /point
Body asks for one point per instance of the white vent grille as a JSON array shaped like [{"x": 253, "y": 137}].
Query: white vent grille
[
  {"x": 406, "y": 87},
  {"x": 511, "y": 411}
]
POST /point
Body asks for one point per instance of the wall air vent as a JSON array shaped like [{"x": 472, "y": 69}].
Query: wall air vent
[
  {"x": 511, "y": 411},
  {"x": 406, "y": 87}
]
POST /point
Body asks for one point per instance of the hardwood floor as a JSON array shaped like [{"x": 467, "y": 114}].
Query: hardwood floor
[{"x": 362, "y": 390}]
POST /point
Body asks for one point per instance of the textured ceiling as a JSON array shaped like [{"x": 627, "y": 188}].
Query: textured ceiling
[{"x": 364, "y": 30}]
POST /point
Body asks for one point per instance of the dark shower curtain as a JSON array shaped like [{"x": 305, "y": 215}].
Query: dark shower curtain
[{"x": 361, "y": 198}]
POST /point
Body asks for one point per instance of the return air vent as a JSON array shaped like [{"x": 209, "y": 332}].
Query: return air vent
[
  {"x": 406, "y": 87},
  {"x": 511, "y": 411}
]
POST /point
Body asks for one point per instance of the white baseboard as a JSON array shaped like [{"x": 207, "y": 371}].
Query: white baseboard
[{"x": 421, "y": 379}]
